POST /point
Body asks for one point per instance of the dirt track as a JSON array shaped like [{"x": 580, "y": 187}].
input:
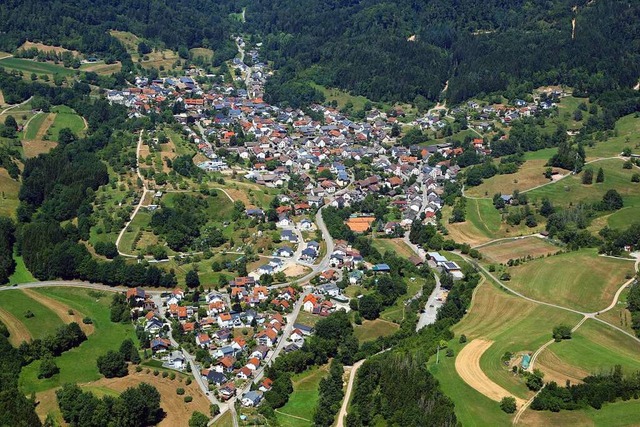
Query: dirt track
[
  {"x": 61, "y": 310},
  {"x": 18, "y": 332},
  {"x": 468, "y": 367}
]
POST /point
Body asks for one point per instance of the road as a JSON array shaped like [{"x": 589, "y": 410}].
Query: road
[{"x": 15, "y": 105}]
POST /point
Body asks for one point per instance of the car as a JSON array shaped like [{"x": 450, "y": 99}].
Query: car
[{"x": 431, "y": 305}]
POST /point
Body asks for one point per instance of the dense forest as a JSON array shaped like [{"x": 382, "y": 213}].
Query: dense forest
[
  {"x": 391, "y": 50},
  {"x": 84, "y": 25}
]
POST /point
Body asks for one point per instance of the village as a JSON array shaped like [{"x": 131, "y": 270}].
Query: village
[{"x": 226, "y": 337}]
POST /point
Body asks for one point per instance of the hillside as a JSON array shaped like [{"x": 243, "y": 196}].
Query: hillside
[{"x": 394, "y": 50}]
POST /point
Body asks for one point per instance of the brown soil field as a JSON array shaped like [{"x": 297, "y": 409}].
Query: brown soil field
[
  {"x": 530, "y": 175},
  {"x": 46, "y": 48},
  {"x": 61, "y": 310},
  {"x": 18, "y": 332},
  {"x": 467, "y": 233},
  {"x": 296, "y": 270},
  {"x": 468, "y": 368},
  {"x": 557, "y": 370},
  {"x": 39, "y": 145},
  {"x": 240, "y": 195},
  {"x": 177, "y": 411},
  {"x": 102, "y": 68},
  {"x": 513, "y": 249}
]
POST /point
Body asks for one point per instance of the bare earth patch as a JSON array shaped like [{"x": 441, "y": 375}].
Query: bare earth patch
[
  {"x": 468, "y": 367},
  {"x": 557, "y": 370},
  {"x": 1, "y": 98},
  {"x": 296, "y": 270},
  {"x": 61, "y": 310},
  {"x": 18, "y": 332},
  {"x": 514, "y": 249},
  {"x": 46, "y": 48},
  {"x": 177, "y": 411}
]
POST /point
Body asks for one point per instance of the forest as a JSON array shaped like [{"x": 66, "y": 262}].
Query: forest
[
  {"x": 391, "y": 50},
  {"x": 84, "y": 25}
]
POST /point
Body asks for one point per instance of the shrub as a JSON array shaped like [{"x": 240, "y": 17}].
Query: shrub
[
  {"x": 450, "y": 352},
  {"x": 463, "y": 339},
  {"x": 29, "y": 314},
  {"x": 87, "y": 321},
  {"x": 112, "y": 365},
  {"x": 138, "y": 368},
  {"x": 172, "y": 376},
  {"x": 156, "y": 372},
  {"x": 188, "y": 381},
  {"x": 48, "y": 368},
  {"x": 188, "y": 399},
  {"x": 180, "y": 391},
  {"x": 70, "y": 312},
  {"x": 635, "y": 177},
  {"x": 165, "y": 374},
  {"x": 561, "y": 332},
  {"x": 508, "y": 404}
]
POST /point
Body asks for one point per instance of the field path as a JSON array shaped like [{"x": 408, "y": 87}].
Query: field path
[
  {"x": 61, "y": 310},
  {"x": 468, "y": 368},
  {"x": 347, "y": 394},
  {"x": 293, "y": 416},
  {"x": 18, "y": 332}
]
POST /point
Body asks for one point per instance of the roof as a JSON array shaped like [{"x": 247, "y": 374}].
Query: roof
[{"x": 381, "y": 267}]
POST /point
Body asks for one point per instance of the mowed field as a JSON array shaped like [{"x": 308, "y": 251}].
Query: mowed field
[
  {"x": 44, "y": 321},
  {"x": 597, "y": 348},
  {"x": 501, "y": 252},
  {"x": 628, "y": 135},
  {"x": 298, "y": 411},
  {"x": 29, "y": 66},
  {"x": 79, "y": 364},
  {"x": 570, "y": 190},
  {"x": 397, "y": 246},
  {"x": 9, "y": 189},
  {"x": 483, "y": 224},
  {"x": 34, "y": 141},
  {"x": 581, "y": 280},
  {"x": 372, "y": 329},
  {"x": 530, "y": 174},
  {"x": 66, "y": 118}
]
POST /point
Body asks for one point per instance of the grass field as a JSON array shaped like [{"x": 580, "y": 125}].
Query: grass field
[
  {"x": 530, "y": 174},
  {"x": 503, "y": 251},
  {"x": 372, "y": 329},
  {"x": 472, "y": 408},
  {"x": 29, "y": 66},
  {"x": 514, "y": 325},
  {"x": 303, "y": 400},
  {"x": 397, "y": 246},
  {"x": 9, "y": 189},
  {"x": 34, "y": 126},
  {"x": 79, "y": 364},
  {"x": 201, "y": 52},
  {"x": 43, "y": 323},
  {"x": 580, "y": 280},
  {"x": 66, "y": 118},
  {"x": 597, "y": 348},
  {"x": 570, "y": 190},
  {"x": 21, "y": 275},
  {"x": 618, "y": 414},
  {"x": 544, "y": 154},
  {"x": 624, "y": 217},
  {"x": 628, "y": 130}
]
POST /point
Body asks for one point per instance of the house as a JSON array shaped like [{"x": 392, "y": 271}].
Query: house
[
  {"x": 381, "y": 268},
  {"x": 453, "y": 269},
  {"x": 267, "y": 337},
  {"x": 266, "y": 385},
  {"x": 213, "y": 377},
  {"x": 160, "y": 345},
  {"x": 284, "y": 252},
  {"x": 251, "y": 398},
  {"x": 309, "y": 303},
  {"x": 244, "y": 373},
  {"x": 288, "y": 236},
  {"x": 437, "y": 258},
  {"x": 225, "y": 364},
  {"x": 306, "y": 330},
  {"x": 203, "y": 340},
  {"x": 153, "y": 325},
  {"x": 177, "y": 360},
  {"x": 297, "y": 336},
  {"x": 137, "y": 294},
  {"x": 224, "y": 320},
  {"x": 330, "y": 289},
  {"x": 306, "y": 224},
  {"x": 253, "y": 363},
  {"x": 227, "y": 391}
]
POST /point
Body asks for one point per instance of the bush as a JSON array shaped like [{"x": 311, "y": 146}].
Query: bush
[
  {"x": 138, "y": 368},
  {"x": 561, "y": 332},
  {"x": 534, "y": 380},
  {"x": 48, "y": 368},
  {"x": 70, "y": 312},
  {"x": 172, "y": 376},
  {"x": 635, "y": 177},
  {"x": 112, "y": 365},
  {"x": 508, "y": 404},
  {"x": 165, "y": 374},
  {"x": 188, "y": 381},
  {"x": 87, "y": 321},
  {"x": 29, "y": 314},
  {"x": 450, "y": 352},
  {"x": 180, "y": 391},
  {"x": 188, "y": 399},
  {"x": 156, "y": 372},
  {"x": 463, "y": 339}
]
